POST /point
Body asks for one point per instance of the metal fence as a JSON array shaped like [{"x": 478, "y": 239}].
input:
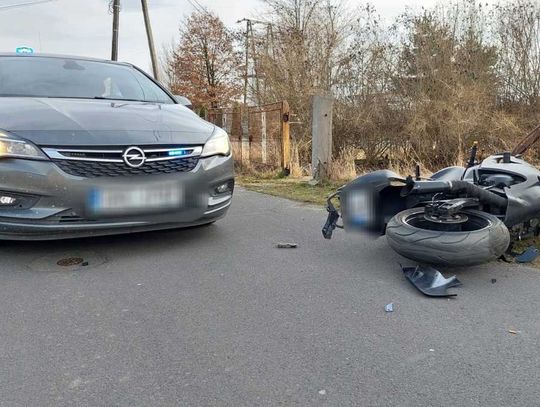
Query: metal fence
[{"x": 259, "y": 134}]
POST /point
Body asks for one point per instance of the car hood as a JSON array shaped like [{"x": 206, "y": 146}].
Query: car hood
[{"x": 82, "y": 122}]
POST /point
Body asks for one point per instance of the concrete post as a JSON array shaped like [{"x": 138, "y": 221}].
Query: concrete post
[{"x": 321, "y": 127}]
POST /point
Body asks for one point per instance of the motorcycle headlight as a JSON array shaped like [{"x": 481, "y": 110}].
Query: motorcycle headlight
[
  {"x": 218, "y": 144},
  {"x": 12, "y": 147}
]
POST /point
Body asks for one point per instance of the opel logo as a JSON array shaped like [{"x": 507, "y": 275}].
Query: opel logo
[{"x": 134, "y": 157}]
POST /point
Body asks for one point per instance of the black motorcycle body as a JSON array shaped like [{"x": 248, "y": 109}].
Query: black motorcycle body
[{"x": 458, "y": 216}]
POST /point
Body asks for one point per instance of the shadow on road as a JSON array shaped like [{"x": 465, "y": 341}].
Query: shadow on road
[{"x": 118, "y": 246}]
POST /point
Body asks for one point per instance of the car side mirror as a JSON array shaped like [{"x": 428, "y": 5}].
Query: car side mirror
[{"x": 183, "y": 101}]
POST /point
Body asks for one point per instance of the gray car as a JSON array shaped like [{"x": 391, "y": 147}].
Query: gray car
[{"x": 91, "y": 147}]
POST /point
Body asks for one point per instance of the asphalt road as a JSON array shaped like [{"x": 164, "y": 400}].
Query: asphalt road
[{"x": 218, "y": 316}]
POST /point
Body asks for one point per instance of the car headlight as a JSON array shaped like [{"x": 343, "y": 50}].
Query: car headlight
[
  {"x": 13, "y": 147},
  {"x": 218, "y": 144}
]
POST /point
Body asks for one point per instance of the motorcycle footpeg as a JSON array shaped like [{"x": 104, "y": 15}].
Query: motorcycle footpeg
[{"x": 330, "y": 225}]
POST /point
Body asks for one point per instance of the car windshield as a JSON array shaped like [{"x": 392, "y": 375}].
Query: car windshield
[{"x": 73, "y": 78}]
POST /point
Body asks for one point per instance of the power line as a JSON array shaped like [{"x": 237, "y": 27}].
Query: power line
[
  {"x": 29, "y": 3},
  {"x": 194, "y": 5},
  {"x": 198, "y": 7},
  {"x": 201, "y": 6}
]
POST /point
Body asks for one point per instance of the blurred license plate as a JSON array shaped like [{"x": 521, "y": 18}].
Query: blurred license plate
[
  {"x": 121, "y": 200},
  {"x": 359, "y": 208}
]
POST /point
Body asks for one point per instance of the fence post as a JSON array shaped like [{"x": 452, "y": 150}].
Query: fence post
[
  {"x": 321, "y": 126},
  {"x": 285, "y": 136},
  {"x": 225, "y": 121},
  {"x": 219, "y": 117}
]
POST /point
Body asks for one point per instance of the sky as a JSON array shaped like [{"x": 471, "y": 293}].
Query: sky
[{"x": 83, "y": 27}]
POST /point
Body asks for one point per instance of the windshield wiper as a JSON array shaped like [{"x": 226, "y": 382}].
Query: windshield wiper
[
  {"x": 123, "y": 100},
  {"x": 79, "y": 97}
]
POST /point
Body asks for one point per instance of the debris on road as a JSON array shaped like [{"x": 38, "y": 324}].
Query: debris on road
[
  {"x": 429, "y": 281},
  {"x": 322, "y": 392},
  {"x": 513, "y": 331},
  {"x": 528, "y": 256},
  {"x": 493, "y": 280},
  {"x": 287, "y": 245},
  {"x": 389, "y": 307},
  {"x": 432, "y": 350}
]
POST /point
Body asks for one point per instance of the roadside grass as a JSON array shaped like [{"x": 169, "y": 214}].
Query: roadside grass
[{"x": 295, "y": 189}]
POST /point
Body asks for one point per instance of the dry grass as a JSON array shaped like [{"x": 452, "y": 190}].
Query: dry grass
[
  {"x": 291, "y": 188},
  {"x": 342, "y": 168}
]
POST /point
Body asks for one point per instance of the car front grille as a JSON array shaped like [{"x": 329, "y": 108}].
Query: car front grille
[
  {"x": 93, "y": 169},
  {"x": 113, "y": 162}
]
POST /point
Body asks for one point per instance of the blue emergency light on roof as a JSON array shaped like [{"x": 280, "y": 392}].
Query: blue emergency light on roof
[{"x": 24, "y": 50}]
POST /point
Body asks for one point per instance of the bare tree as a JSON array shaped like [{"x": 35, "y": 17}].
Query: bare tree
[{"x": 518, "y": 33}]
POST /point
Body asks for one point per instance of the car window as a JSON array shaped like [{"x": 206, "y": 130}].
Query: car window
[{"x": 65, "y": 78}]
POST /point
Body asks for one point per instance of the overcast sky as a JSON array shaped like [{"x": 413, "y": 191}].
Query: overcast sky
[{"x": 83, "y": 27}]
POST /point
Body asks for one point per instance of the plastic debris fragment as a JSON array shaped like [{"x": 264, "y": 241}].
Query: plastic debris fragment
[
  {"x": 287, "y": 245},
  {"x": 430, "y": 282}
]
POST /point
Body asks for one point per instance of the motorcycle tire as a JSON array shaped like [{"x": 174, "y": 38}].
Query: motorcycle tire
[{"x": 482, "y": 238}]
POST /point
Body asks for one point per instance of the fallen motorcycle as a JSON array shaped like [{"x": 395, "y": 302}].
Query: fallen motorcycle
[{"x": 459, "y": 216}]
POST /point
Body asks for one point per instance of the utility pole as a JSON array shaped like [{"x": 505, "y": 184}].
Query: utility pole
[
  {"x": 116, "y": 24},
  {"x": 150, "y": 36},
  {"x": 250, "y": 42},
  {"x": 246, "y": 71}
]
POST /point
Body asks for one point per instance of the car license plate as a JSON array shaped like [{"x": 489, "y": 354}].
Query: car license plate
[{"x": 133, "y": 199}]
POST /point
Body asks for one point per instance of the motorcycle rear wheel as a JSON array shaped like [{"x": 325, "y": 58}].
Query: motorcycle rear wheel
[{"x": 482, "y": 238}]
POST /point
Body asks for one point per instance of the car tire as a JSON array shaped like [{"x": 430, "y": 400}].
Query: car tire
[{"x": 487, "y": 242}]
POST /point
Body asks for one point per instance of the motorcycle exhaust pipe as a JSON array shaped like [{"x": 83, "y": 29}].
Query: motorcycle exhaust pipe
[{"x": 455, "y": 187}]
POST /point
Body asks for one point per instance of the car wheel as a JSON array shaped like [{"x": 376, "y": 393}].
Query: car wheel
[{"x": 482, "y": 238}]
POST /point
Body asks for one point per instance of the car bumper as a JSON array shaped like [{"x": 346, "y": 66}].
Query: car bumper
[{"x": 56, "y": 205}]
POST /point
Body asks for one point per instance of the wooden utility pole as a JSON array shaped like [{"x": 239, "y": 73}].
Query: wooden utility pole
[
  {"x": 150, "y": 36},
  {"x": 115, "y": 28}
]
